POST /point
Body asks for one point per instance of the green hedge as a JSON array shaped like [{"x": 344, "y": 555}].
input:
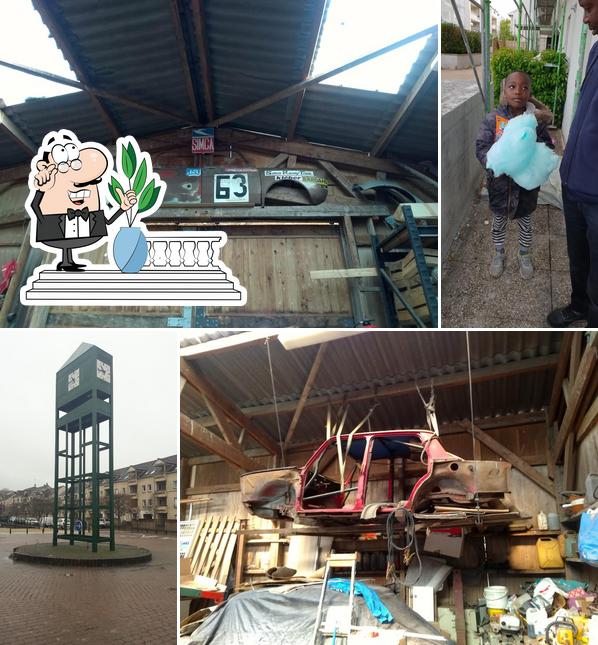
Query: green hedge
[
  {"x": 544, "y": 79},
  {"x": 451, "y": 41}
]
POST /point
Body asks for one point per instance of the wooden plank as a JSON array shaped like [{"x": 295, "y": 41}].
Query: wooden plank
[
  {"x": 589, "y": 421},
  {"x": 550, "y": 435},
  {"x": 199, "y": 544},
  {"x": 240, "y": 557},
  {"x": 569, "y": 470},
  {"x": 228, "y": 554},
  {"x": 459, "y": 607},
  {"x": 199, "y": 22},
  {"x": 514, "y": 460},
  {"x": 277, "y": 161},
  {"x": 206, "y": 546},
  {"x": 204, "y": 386},
  {"x": 219, "y": 546},
  {"x": 584, "y": 374},
  {"x": 204, "y": 438},
  {"x": 371, "y": 272},
  {"x": 561, "y": 370},
  {"x": 575, "y": 357},
  {"x": 566, "y": 390}
]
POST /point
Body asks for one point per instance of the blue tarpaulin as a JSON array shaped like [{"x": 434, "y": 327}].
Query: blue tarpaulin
[{"x": 370, "y": 597}]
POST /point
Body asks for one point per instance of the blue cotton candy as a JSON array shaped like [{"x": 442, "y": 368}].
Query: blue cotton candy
[
  {"x": 518, "y": 154},
  {"x": 371, "y": 598}
]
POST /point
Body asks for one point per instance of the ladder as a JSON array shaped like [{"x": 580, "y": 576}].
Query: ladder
[{"x": 336, "y": 561}]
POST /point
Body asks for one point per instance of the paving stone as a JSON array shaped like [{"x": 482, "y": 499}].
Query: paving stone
[{"x": 94, "y": 606}]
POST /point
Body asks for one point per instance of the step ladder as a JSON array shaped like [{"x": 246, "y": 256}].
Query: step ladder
[{"x": 336, "y": 561}]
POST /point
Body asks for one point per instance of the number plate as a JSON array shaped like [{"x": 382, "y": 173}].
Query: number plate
[{"x": 231, "y": 187}]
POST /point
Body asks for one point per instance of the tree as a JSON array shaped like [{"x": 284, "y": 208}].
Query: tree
[
  {"x": 123, "y": 504},
  {"x": 505, "y": 30}
]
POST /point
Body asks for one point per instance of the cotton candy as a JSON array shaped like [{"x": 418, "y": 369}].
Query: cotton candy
[{"x": 519, "y": 155}]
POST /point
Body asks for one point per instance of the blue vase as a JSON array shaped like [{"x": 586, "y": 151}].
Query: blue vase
[{"x": 130, "y": 249}]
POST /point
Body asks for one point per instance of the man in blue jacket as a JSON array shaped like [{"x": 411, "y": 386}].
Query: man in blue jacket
[{"x": 579, "y": 176}]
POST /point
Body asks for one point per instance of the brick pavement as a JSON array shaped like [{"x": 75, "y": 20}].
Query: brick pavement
[{"x": 45, "y": 604}]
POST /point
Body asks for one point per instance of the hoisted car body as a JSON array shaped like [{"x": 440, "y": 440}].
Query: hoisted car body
[{"x": 312, "y": 494}]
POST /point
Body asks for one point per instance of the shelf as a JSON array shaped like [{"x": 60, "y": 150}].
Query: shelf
[
  {"x": 533, "y": 533},
  {"x": 266, "y": 541},
  {"x": 528, "y": 572},
  {"x": 577, "y": 561}
]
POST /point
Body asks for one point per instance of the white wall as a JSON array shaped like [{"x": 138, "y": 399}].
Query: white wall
[
  {"x": 448, "y": 15},
  {"x": 571, "y": 40}
]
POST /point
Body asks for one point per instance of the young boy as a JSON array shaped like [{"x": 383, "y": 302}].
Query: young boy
[{"x": 508, "y": 200}]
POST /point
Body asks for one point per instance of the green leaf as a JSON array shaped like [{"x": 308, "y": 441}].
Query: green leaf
[
  {"x": 145, "y": 197},
  {"x": 152, "y": 201},
  {"x": 126, "y": 162},
  {"x": 140, "y": 178},
  {"x": 112, "y": 186},
  {"x": 133, "y": 157}
]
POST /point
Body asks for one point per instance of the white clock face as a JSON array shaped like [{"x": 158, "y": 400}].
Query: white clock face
[
  {"x": 73, "y": 380},
  {"x": 103, "y": 371}
]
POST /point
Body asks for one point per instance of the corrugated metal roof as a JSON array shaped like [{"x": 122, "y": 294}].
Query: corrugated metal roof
[
  {"x": 368, "y": 362},
  {"x": 254, "y": 49}
]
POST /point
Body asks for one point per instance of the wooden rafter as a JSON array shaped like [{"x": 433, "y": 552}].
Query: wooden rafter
[
  {"x": 517, "y": 462},
  {"x": 15, "y": 133},
  {"x": 456, "y": 379},
  {"x": 405, "y": 107},
  {"x": 222, "y": 422},
  {"x": 561, "y": 370},
  {"x": 86, "y": 87},
  {"x": 307, "y": 65},
  {"x": 298, "y": 87},
  {"x": 182, "y": 48},
  {"x": 203, "y": 438},
  {"x": 203, "y": 386},
  {"x": 339, "y": 177},
  {"x": 584, "y": 375},
  {"x": 253, "y": 141},
  {"x": 59, "y": 35},
  {"x": 313, "y": 372},
  {"x": 199, "y": 21}
]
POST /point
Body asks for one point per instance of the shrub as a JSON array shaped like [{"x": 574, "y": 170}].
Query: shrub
[
  {"x": 542, "y": 69},
  {"x": 451, "y": 41}
]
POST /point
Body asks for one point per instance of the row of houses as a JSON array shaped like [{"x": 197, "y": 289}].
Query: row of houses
[{"x": 144, "y": 491}]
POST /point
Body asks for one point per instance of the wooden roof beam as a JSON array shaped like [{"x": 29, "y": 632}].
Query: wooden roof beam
[
  {"x": 456, "y": 379},
  {"x": 316, "y": 28},
  {"x": 222, "y": 422},
  {"x": 403, "y": 110},
  {"x": 15, "y": 133},
  {"x": 182, "y": 48},
  {"x": 298, "y": 87},
  {"x": 313, "y": 372},
  {"x": 199, "y": 21},
  {"x": 561, "y": 371},
  {"x": 206, "y": 440},
  {"x": 200, "y": 383},
  {"x": 57, "y": 32},
  {"x": 86, "y": 87}
]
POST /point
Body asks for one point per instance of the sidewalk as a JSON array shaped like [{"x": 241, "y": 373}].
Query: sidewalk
[
  {"x": 90, "y": 605},
  {"x": 472, "y": 298}
]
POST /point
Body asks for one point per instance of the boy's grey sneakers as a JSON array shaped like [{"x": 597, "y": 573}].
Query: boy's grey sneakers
[
  {"x": 526, "y": 268},
  {"x": 497, "y": 266}
]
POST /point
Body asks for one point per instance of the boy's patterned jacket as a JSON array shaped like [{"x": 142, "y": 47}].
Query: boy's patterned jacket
[{"x": 506, "y": 197}]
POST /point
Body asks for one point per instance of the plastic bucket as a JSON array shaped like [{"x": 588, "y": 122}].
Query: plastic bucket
[{"x": 496, "y": 597}]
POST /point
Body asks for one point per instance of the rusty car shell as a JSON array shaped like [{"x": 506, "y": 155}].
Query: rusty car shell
[{"x": 306, "y": 493}]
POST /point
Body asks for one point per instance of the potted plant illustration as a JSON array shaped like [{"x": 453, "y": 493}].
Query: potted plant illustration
[{"x": 130, "y": 245}]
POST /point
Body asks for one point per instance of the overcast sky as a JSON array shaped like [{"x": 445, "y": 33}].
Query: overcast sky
[{"x": 146, "y": 390}]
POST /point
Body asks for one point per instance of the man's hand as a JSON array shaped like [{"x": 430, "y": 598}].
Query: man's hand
[
  {"x": 128, "y": 200},
  {"x": 44, "y": 179}
]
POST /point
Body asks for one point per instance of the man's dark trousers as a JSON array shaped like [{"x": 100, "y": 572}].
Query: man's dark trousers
[{"x": 581, "y": 219}]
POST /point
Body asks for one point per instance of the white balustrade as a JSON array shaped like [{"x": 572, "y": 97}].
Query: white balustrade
[{"x": 181, "y": 251}]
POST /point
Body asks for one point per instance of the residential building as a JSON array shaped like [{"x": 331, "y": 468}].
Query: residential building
[{"x": 145, "y": 491}]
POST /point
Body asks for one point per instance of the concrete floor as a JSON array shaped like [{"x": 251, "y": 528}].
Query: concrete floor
[
  {"x": 89, "y": 605},
  {"x": 472, "y": 298},
  {"x": 460, "y": 74}
]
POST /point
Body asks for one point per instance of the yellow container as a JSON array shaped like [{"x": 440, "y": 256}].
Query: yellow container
[
  {"x": 495, "y": 612},
  {"x": 549, "y": 555}
]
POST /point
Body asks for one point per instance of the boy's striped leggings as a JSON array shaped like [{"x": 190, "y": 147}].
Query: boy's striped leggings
[{"x": 499, "y": 230}]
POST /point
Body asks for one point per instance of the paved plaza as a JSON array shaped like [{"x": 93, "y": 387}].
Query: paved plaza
[{"x": 132, "y": 605}]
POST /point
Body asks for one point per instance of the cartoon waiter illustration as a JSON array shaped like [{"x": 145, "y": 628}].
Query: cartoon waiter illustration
[{"x": 65, "y": 202}]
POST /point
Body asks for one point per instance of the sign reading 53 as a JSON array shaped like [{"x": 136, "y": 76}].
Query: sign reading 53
[{"x": 231, "y": 188}]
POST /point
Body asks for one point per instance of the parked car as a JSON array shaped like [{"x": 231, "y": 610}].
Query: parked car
[
  {"x": 104, "y": 524},
  {"x": 336, "y": 483}
]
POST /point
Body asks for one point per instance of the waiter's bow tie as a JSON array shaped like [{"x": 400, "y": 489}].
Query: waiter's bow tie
[{"x": 71, "y": 213}]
